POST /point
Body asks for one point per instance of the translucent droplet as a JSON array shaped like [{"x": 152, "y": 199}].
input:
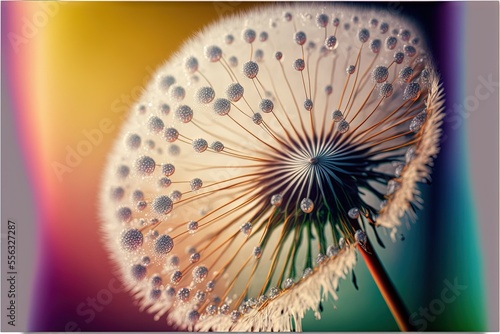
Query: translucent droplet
[
  {"x": 373, "y": 22},
  {"x": 123, "y": 171},
  {"x": 342, "y": 243},
  {"x": 343, "y": 126},
  {"x": 320, "y": 258},
  {"x": 184, "y": 113},
  {"x": 164, "y": 109},
  {"x": 234, "y": 92},
  {"x": 183, "y": 295},
  {"x": 410, "y": 154},
  {"x": 200, "y": 145},
  {"x": 145, "y": 165},
  {"x": 417, "y": 121},
  {"x": 205, "y": 95},
  {"x": 337, "y": 116},
  {"x": 398, "y": 170},
  {"x": 162, "y": 205},
  {"x": 300, "y": 38},
  {"x": 171, "y": 134},
  {"x": 380, "y": 74},
  {"x": 235, "y": 316},
  {"x": 138, "y": 272},
  {"x": 177, "y": 93},
  {"x": 137, "y": 195},
  {"x": 360, "y": 237},
  {"x": 213, "y": 53},
  {"x": 193, "y": 316},
  {"x": 353, "y": 213},
  {"x": 409, "y": 50},
  {"x": 328, "y": 90},
  {"x": 276, "y": 199},
  {"x": 399, "y": 57},
  {"x": 391, "y": 42},
  {"x": 257, "y": 118},
  {"x": 322, "y": 20},
  {"x": 336, "y": 22},
  {"x": 196, "y": 184},
  {"x": 224, "y": 309},
  {"x": 332, "y": 251},
  {"x": 392, "y": 187},
  {"x": 405, "y": 74},
  {"x": 124, "y": 214},
  {"x": 192, "y": 226},
  {"x": 404, "y": 35},
  {"x": 278, "y": 55},
  {"x": 266, "y": 105},
  {"x": 133, "y": 141},
  {"x": 195, "y": 257},
  {"x": 287, "y": 16},
  {"x": 233, "y": 61},
  {"x": 164, "y": 244},
  {"x": 299, "y": 64},
  {"x": 170, "y": 292},
  {"x": 176, "y": 277},
  {"x": 307, "y": 272},
  {"x": 350, "y": 69},
  {"x": 217, "y": 146},
  {"x": 166, "y": 82},
  {"x": 250, "y": 69},
  {"x": 386, "y": 90},
  {"x": 363, "y": 35},
  {"x": 307, "y": 205},
  {"x": 246, "y": 228},
  {"x": 229, "y": 39},
  {"x": 164, "y": 182},
  {"x": 249, "y": 35},
  {"x": 308, "y": 104},
  {"x": 210, "y": 286},
  {"x": 376, "y": 45},
  {"x": 156, "y": 281},
  {"x": 222, "y": 107},
  {"x": 384, "y": 27},
  {"x": 257, "y": 252},
  {"x": 412, "y": 91},
  {"x": 211, "y": 309},
  {"x": 200, "y": 296},
  {"x": 191, "y": 65},
  {"x": 132, "y": 240},
  {"x": 263, "y": 36}
]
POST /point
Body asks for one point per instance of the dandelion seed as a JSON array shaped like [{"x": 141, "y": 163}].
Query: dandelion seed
[{"x": 287, "y": 129}]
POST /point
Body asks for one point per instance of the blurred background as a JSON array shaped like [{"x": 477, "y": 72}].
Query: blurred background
[{"x": 72, "y": 70}]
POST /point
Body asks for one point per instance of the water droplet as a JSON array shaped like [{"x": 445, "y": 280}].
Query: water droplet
[
  {"x": 222, "y": 107},
  {"x": 124, "y": 214},
  {"x": 353, "y": 213},
  {"x": 164, "y": 244},
  {"x": 183, "y": 295},
  {"x": 162, "y": 205},
  {"x": 200, "y": 145},
  {"x": 380, "y": 74},
  {"x": 300, "y": 38},
  {"x": 213, "y": 53},
  {"x": 145, "y": 165},
  {"x": 249, "y": 35},
  {"x": 191, "y": 65},
  {"x": 246, "y": 228},
  {"x": 307, "y": 272},
  {"x": 343, "y": 126},
  {"x": 417, "y": 121},
  {"x": 171, "y": 134},
  {"x": 132, "y": 239},
  {"x": 307, "y": 205},
  {"x": 250, "y": 69},
  {"x": 196, "y": 184},
  {"x": 386, "y": 90},
  {"x": 138, "y": 272},
  {"x": 205, "y": 95},
  {"x": 299, "y": 64}
]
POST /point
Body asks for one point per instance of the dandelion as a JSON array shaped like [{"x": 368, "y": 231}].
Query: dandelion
[{"x": 275, "y": 140}]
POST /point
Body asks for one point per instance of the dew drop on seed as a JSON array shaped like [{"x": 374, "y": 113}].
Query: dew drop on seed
[
  {"x": 328, "y": 90},
  {"x": 174, "y": 150},
  {"x": 322, "y": 20},
  {"x": 350, "y": 69},
  {"x": 266, "y": 105},
  {"x": 133, "y": 141},
  {"x": 405, "y": 74},
  {"x": 234, "y": 92},
  {"x": 308, "y": 104},
  {"x": 176, "y": 195},
  {"x": 263, "y": 36},
  {"x": 336, "y": 22},
  {"x": 380, "y": 74},
  {"x": 217, "y": 146},
  {"x": 386, "y": 90},
  {"x": 307, "y": 272},
  {"x": 183, "y": 295},
  {"x": 278, "y": 55},
  {"x": 332, "y": 251},
  {"x": 200, "y": 296},
  {"x": 299, "y": 64},
  {"x": 145, "y": 165},
  {"x": 170, "y": 292},
  {"x": 300, "y": 37},
  {"x": 288, "y": 283},
  {"x": 184, "y": 113},
  {"x": 404, "y": 35},
  {"x": 373, "y": 23},
  {"x": 410, "y": 50},
  {"x": 200, "y": 145},
  {"x": 392, "y": 187},
  {"x": 410, "y": 154},
  {"x": 384, "y": 27},
  {"x": 375, "y": 45},
  {"x": 137, "y": 195},
  {"x": 417, "y": 121},
  {"x": 246, "y": 228},
  {"x": 177, "y": 93},
  {"x": 399, "y": 57},
  {"x": 138, "y": 272},
  {"x": 162, "y": 205},
  {"x": 257, "y": 118},
  {"x": 155, "y": 124},
  {"x": 132, "y": 239},
  {"x": 145, "y": 260},
  {"x": 191, "y": 65},
  {"x": 164, "y": 244},
  {"x": 124, "y": 214},
  {"x": 213, "y": 53},
  {"x": 320, "y": 258},
  {"x": 205, "y": 95},
  {"x": 353, "y": 213},
  {"x": 257, "y": 252},
  {"x": 196, "y": 184},
  {"x": 363, "y": 35},
  {"x": 276, "y": 199},
  {"x": 337, "y": 116},
  {"x": 307, "y": 205},
  {"x": 224, "y": 309},
  {"x": 210, "y": 286},
  {"x": 222, "y": 107},
  {"x": 391, "y": 42},
  {"x": 342, "y": 243},
  {"x": 250, "y": 69},
  {"x": 164, "y": 182},
  {"x": 233, "y": 61},
  {"x": 166, "y": 82},
  {"x": 164, "y": 109},
  {"x": 229, "y": 39},
  {"x": 176, "y": 277},
  {"x": 248, "y": 35},
  {"x": 343, "y": 126},
  {"x": 171, "y": 134},
  {"x": 195, "y": 257},
  {"x": 211, "y": 309},
  {"x": 167, "y": 169},
  {"x": 193, "y": 316},
  {"x": 412, "y": 91},
  {"x": 398, "y": 170},
  {"x": 156, "y": 281},
  {"x": 192, "y": 226}
]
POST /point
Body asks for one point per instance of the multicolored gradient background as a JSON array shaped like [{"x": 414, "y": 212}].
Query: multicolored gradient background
[{"x": 69, "y": 67}]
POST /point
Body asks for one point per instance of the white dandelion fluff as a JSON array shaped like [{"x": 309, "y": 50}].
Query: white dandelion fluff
[{"x": 278, "y": 136}]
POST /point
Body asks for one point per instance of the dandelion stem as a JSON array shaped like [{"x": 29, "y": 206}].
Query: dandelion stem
[{"x": 387, "y": 289}]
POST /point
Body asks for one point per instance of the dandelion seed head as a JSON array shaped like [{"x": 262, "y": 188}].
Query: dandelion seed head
[{"x": 242, "y": 189}]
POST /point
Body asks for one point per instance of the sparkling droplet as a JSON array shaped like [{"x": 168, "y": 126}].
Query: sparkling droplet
[
  {"x": 332, "y": 251},
  {"x": 322, "y": 20},
  {"x": 183, "y": 295},
  {"x": 343, "y": 126},
  {"x": 200, "y": 145},
  {"x": 217, "y": 146},
  {"x": 164, "y": 244},
  {"x": 195, "y": 257},
  {"x": 156, "y": 281},
  {"x": 249, "y": 35},
  {"x": 234, "y": 92},
  {"x": 307, "y": 272},
  {"x": 224, "y": 309},
  {"x": 278, "y": 55},
  {"x": 246, "y": 228},
  {"x": 192, "y": 226},
  {"x": 386, "y": 90},
  {"x": 200, "y": 296},
  {"x": 145, "y": 165},
  {"x": 164, "y": 182},
  {"x": 384, "y": 27},
  {"x": 353, "y": 213},
  {"x": 350, "y": 69},
  {"x": 266, "y": 105},
  {"x": 410, "y": 154},
  {"x": 380, "y": 74},
  {"x": 376, "y": 45},
  {"x": 276, "y": 199},
  {"x": 307, "y": 205},
  {"x": 235, "y": 316},
  {"x": 162, "y": 205},
  {"x": 132, "y": 239},
  {"x": 176, "y": 277},
  {"x": 250, "y": 69},
  {"x": 308, "y": 104},
  {"x": 138, "y": 272},
  {"x": 299, "y": 64},
  {"x": 213, "y": 53},
  {"x": 337, "y": 116},
  {"x": 211, "y": 309},
  {"x": 257, "y": 118},
  {"x": 417, "y": 121},
  {"x": 360, "y": 237},
  {"x": 300, "y": 38},
  {"x": 392, "y": 187},
  {"x": 184, "y": 114},
  {"x": 205, "y": 95},
  {"x": 222, "y": 107},
  {"x": 191, "y": 65},
  {"x": 405, "y": 74},
  {"x": 171, "y": 134},
  {"x": 168, "y": 169},
  {"x": 257, "y": 252},
  {"x": 410, "y": 50},
  {"x": 399, "y": 57},
  {"x": 391, "y": 42},
  {"x": 363, "y": 35},
  {"x": 405, "y": 35},
  {"x": 196, "y": 184},
  {"x": 210, "y": 286},
  {"x": 320, "y": 258},
  {"x": 342, "y": 243},
  {"x": 412, "y": 91},
  {"x": 124, "y": 214},
  {"x": 176, "y": 195}
]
